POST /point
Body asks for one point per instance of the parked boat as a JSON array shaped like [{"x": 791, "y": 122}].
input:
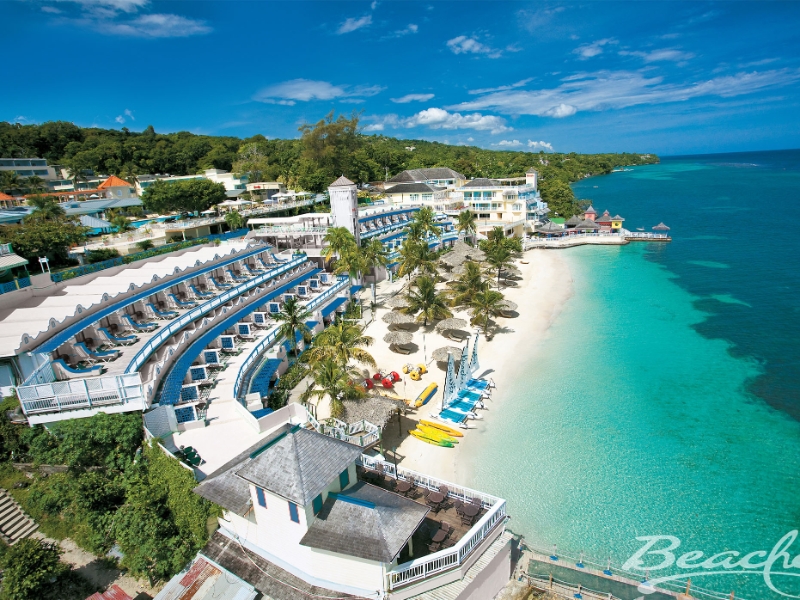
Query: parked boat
[
  {"x": 436, "y": 434},
  {"x": 441, "y": 427},
  {"x": 421, "y": 436}
]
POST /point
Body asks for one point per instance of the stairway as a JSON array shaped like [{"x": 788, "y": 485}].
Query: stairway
[{"x": 14, "y": 523}]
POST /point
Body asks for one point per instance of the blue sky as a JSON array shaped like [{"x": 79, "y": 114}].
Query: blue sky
[{"x": 671, "y": 78}]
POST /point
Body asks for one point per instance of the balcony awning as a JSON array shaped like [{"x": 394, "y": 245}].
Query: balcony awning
[
  {"x": 354, "y": 289},
  {"x": 333, "y": 306},
  {"x": 9, "y": 261}
]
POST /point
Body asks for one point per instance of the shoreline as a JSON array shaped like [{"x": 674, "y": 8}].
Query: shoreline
[{"x": 545, "y": 287}]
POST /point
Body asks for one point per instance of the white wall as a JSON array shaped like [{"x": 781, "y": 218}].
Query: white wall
[{"x": 344, "y": 208}]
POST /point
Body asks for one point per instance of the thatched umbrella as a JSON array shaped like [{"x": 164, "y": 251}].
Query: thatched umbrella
[
  {"x": 440, "y": 354},
  {"x": 398, "y": 301},
  {"x": 453, "y": 259},
  {"x": 375, "y": 409},
  {"x": 661, "y": 227},
  {"x": 508, "y": 306},
  {"x": 398, "y": 338},
  {"x": 452, "y": 323},
  {"x": 397, "y": 318}
]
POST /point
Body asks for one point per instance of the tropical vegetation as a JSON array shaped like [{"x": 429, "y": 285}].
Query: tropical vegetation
[
  {"x": 425, "y": 301},
  {"x": 293, "y": 317},
  {"x": 484, "y": 305},
  {"x": 191, "y": 196}
]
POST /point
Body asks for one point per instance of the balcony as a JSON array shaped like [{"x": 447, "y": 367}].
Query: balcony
[{"x": 428, "y": 559}]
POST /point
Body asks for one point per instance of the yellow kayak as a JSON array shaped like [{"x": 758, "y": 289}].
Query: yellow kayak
[
  {"x": 440, "y": 426},
  {"x": 421, "y": 436},
  {"x": 436, "y": 434}
]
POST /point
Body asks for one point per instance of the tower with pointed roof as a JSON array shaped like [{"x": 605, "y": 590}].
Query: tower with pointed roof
[{"x": 344, "y": 206}]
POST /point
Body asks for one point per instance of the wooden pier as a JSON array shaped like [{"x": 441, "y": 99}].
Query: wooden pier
[{"x": 642, "y": 236}]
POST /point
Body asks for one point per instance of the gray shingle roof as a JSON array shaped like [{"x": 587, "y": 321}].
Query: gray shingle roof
[
  {"x": 365, "y": 521},
  {"x": 299, "y": 465},
  {"x": 419, "y": 175},
  {"x": 482, "y": 182},
  {"x": 574, "y": 220},
  {"x": 341, "y": 182},
  {"x": 413, "y": 188},
  {"x": 587, "y": 224}
]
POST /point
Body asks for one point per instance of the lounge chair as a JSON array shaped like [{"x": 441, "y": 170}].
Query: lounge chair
[
  {"x": 178, "y": 303},
  {"x": 250, "y": 270},
  {"x": 159, "y": 314},
  {"x": 237, "y": 278},
  {"x": 90, "y": 356},
  {"x": 64, "y": 371},
  {"x": 137, "y": 326},
  {"x": 114, "y": 340},
  {"x": 218, "y": 284},
  {"x": 199, "y": 293}
]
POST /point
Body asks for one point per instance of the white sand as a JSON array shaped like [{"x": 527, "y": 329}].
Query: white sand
[{"x": 545, "y": 287}]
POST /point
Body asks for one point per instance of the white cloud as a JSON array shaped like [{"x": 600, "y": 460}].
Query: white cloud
[
  {"x": 305, "y": 90},
  {"x": 590, "y": 50},
  {"x": 129, "y": 113},
  {"x": 21, "y": 119},
  {"x": 508, "y": 143},
  {"x": 128, "y": 6},
  {"x": 374, "y": 4},
  {"x": 352, "y": 24},
  {"x": 120, "y": 119},
  {"x": 540, "y": 145},
  {"x": 156, "y": 26},
  {"x": 469, "y": 45},
  {"x": 669, "y": 54},
  {"x": 501, "y": 88},
  {"x": 438, "y": 118},
  {"x": 534, "y": 20},
  {"x": 51, "y": 9},
  {"x": 470, "y": 139},
  {"x": 608, "y": 90},
  {"x": 412, "y": 98},
  {"x": 412, "y": 28}
]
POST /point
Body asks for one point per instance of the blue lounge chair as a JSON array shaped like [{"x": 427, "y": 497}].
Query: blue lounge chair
[
  {"x": 249, "y": 269},
  {"x": 265, "y": 265},
  {"x": 280, "y": 260},
  {"x": 125, "y": 340},
  {"x": 234, "y": 276},
  {"x": 178, "y": 303},
  {"x": 65, "y": 371},
  {"x": 95, "y": 356},
  {"x": 160, "y": 314},
  {"x": 479, "y": 384},
  {"x": 139, "y": 326},
  {"x": 200, "y": 294},
  {"x": 219, "y": 285}
]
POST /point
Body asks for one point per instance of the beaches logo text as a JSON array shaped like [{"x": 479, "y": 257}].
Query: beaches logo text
[{"x": 771, "y": 565}]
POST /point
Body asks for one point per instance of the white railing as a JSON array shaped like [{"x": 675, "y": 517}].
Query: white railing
[
  {"x": 82, "y": 393},
  {"x": 176, "y": 325},
  {"x": 342, "y": 431},
  {"x": 449, "y": 558},
  {"x": 44, "y": 372},
  {"x": 646, "y": 236},
  {"x": 250, "y": 212}
]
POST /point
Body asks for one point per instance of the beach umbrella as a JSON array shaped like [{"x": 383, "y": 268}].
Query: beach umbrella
[
  {"x": 661, "y": 227},
  {"x": 508, "y": 305},
  {"x": 440, "y": 354},
  {"x": 399, "y": 301},
  {"x": 451, "y": 324},
  {"x": 453, "y": 259},
  {"x": 398, "y": 337},
  {"x": 397, "y": 318}
]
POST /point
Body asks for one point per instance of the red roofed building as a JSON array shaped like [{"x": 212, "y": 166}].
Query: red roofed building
[
  {"x": 7, "y": 201},
  {"x": 112, "y": 188},
  {"x": 113, "y": 182}
]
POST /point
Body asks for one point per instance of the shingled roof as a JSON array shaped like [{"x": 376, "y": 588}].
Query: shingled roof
[
  {"x": 482, "y": 182},
  {"x": 299, "y": 465},
  {"x": 421, "y": 175},
  {"x": 413, "y": 188},
  {"x": 341, "y": 182},
  {"x": 365, "y": 521}
]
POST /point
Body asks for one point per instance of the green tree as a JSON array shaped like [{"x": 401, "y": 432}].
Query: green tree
[
  {"x": 234, "y": 220},
  {"x": 467, "y": 223},
  {"x": 374, "y": 256},
  {"x": 194, "y": 195},
  {"x": 484, "y": 305},
  {"x": 343, "y": 342},
  {"x": 11, "y": 183},
  {"x": 426, "y": 219},
  {"x": 45, "y": 208},
  {"x": 101, "y": 254},
  {"x": 334, "y": 380},
  {"x": 425, "y": 300},
  {"x": 35, "y": 184},
  {"x": 121, "y": 224},
  {"x": 145, "y": 245},
  {"x": 292, "y": 318},
  {"x": 499, "y": 258},
  {"x": 29, "y": 566},
  {"x": 336, "y": 241},
  {"x": 560, "y": 198},
  {"x": 416, "y": 256},
  {"x": 328, "y": 151},
  {"x": 469, "y": 283},
  {"x": 51, "y": 238}
]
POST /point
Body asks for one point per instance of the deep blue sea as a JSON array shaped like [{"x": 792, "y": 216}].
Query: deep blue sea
[{"x": 667, "y": 401}]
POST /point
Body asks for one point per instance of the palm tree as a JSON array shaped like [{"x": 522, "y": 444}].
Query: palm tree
[
  {"x": 121, "y": 223},
  {"x": 234, "y": 220},
  {"x": 374, "y": 255},
  {"x": 334, "y": 380},
  {"x": 342, "y": 342},
  {"x": 467, "y": 222},
  {"x": 34, "y": 184},
  {"x": 427, "y": 222},
  {"x": 293, "y": 317},
  {"x": 415, "y": 232},
  {"x": 426, "y": 301},
  {"x": 47, "y": 209},
  {"x": 130, "y": 175},
  {"x": 337, "y": 240},
  {"x": 499, "y": 258},
  {"x": 416, "y": 256},
  {"x": 11, "y": 182},
  {"x": 484, "y": 305},
  {"x": 76, "y": 175},
  {"x": 469, "y": 283}
]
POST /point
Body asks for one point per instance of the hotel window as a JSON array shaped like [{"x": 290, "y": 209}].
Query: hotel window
[
  {"x": 317, "y": 504},
  {"x": 293, "y": 514},
  {"x": 344, "y": 479},
  {"x": 262, "y": 499},
  {"x": 414, "y": 197},
  {"x": 427, "y": 196}
]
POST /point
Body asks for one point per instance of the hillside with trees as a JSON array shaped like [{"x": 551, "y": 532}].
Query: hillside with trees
[{"x": 325, "y": 150}]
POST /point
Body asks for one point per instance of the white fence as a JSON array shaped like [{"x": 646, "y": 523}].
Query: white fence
[
  {"x": 368, "y": 433},
  {"x": 82, "y": 393},
  {"x": 448, "y": 558}
]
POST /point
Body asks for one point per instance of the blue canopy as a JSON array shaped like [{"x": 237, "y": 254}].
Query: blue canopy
[{"x": 333, "y": 306}]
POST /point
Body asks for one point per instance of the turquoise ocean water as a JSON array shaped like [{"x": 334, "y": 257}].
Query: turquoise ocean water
[{"x": 666, "y": 400}]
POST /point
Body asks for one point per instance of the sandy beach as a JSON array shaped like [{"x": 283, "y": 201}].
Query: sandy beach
[{"x": 545, "y": 286}]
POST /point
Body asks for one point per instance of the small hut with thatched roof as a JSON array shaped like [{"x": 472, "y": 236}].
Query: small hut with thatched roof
[{"x": 378, "y": 410}]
